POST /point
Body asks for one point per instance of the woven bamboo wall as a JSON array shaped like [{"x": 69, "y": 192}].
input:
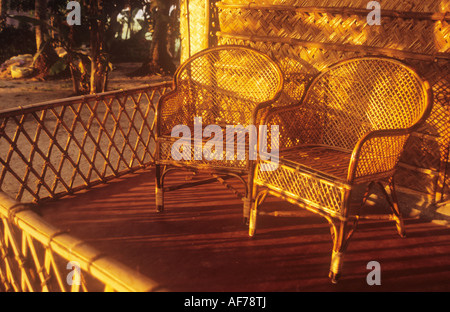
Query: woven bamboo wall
[{"x": 323, "y": 32}]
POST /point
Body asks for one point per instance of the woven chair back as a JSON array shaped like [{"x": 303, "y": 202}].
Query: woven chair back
[
  {"x": 225, "y": 84},
  {"x": 360, "y": 95}
]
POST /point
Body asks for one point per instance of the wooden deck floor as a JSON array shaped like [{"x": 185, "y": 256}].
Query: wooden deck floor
[{"x": 200, "y": 244}]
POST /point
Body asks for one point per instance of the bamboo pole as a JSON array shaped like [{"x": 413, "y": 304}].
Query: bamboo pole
[
  {"x": 342, "y": 47},
  {"x": 77, "y": 99},
  {"x": 207, "y": 22},
  {"x": 432, "y": 16}
]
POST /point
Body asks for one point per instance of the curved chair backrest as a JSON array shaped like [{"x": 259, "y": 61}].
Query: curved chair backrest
[
  {"x": 297, "y": 75},
  {"x": 226, "y": 84},
  {"x": 363, "y": 94}
]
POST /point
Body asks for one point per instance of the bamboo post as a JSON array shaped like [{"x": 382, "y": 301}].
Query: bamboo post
[{"x": 207, "y": 23}]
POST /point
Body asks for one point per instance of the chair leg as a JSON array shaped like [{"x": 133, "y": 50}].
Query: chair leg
[
  {"x": 247, "y": 209},
  {"x": 251, "y": 189},
  {"x": 253, "y": 214},
  {"x": 341, "y": 231},
  {"x": 159, "y": 191},
  {"x": 338, "y": 250},
  {"x": 336, "y": 266},
  {"x": 257, "y": 200},
  {"x": 393, "y": 204},
  {"x": 253, "y": 219},
  {"x": 396, "y": 210}
]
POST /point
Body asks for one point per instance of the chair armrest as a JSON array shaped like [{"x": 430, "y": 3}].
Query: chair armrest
[
  {"x": 298, "y": 125},
  {"x": 377, "y": 154},
  {"x": 172, "y": 110}
]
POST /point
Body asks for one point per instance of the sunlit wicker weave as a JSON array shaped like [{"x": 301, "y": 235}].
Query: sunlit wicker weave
[
  {"x": 349, "y": 130},
  {"x": 225, "y": 85}
]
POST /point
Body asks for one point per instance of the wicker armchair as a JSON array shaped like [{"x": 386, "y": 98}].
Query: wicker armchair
[
  {"x": 349, "y": 130},
  {"x": 226, "y": 85}
]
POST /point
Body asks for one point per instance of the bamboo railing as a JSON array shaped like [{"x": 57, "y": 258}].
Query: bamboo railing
[
  {"x": 36, "y": 256},
  {"x": 58, "y": 148}
]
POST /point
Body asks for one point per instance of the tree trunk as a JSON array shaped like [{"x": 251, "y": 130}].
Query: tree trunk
[
  {"x": 98, "y": 63},
  {"x": 3, "y": 11},
  {"x": 160, "y": 61},
  {"x": 78, "y": 81},
  {"x": 48, "y": 56},
  {"x": 40, "y": 8}
]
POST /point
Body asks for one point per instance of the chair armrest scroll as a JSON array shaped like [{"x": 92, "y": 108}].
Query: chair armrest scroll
[
  {"x": 377, "y": 154},
  {"x": 172, "y": 110},
  {"x": 298, "y": 125}
]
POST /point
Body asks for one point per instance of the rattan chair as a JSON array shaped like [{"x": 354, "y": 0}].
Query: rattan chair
[
  {"x": 225, "y": 85},
  {"x": 348, "y": 131}
]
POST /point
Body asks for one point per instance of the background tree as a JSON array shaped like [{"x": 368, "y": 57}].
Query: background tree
[
  {"x": 99, "y": 66},
  {"x": 40, "y": 13},
  {"x": 159, "y": 60},
  {"x": 3, "y": 10},
  {"x": 14, "y": 40},
  {"x": 89, "y": 72},
  {"x": 99, "y": 33},
  {"x": 47, "y": 56}
]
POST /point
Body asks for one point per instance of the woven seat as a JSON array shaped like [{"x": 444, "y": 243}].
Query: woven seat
[
  {"x": 321, "y": 159},
  {"x": 221, "y": 86},
  {"x": 348, "y": 131}
]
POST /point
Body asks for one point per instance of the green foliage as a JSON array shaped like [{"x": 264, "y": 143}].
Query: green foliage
[{"x": 59, "y": 67}]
